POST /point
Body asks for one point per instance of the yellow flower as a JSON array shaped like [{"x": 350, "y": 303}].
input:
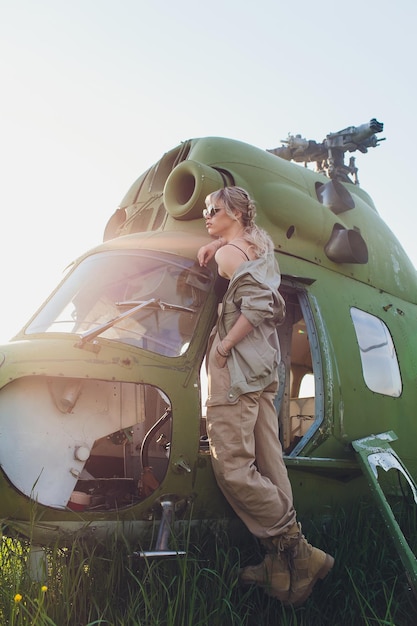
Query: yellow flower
[
  {"x": 44, "y": 588},
  {"x": 17, "y": 598}
]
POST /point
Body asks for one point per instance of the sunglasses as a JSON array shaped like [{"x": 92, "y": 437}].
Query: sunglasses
[{"x": 210, "y": 211}]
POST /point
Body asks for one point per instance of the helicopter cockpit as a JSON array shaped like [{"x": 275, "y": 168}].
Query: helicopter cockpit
[
  {"x": 149, "y": 300},
  {"x": 103, "y": 442}
]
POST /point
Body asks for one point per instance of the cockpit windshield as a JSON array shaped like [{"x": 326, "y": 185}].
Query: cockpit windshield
[{"x": 144, "y": 298}]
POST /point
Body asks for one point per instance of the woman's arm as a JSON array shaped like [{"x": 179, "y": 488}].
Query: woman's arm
[
  {"x": 207, "y": 252},
  {"x": 239, "y": 330}
]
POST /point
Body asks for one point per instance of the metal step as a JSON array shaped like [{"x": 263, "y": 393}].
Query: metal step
[{"x": 164, "y": 533}]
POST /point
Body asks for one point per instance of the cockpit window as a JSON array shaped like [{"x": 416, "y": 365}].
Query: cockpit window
[
  {"x": 144, "y": 298},
  {"x": 380, "y": 367}
]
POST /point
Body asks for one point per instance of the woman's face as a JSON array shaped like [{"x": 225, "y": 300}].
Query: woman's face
[{"x": 218, "y": 222}]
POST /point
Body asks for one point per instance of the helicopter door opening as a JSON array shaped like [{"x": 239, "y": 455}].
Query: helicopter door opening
[{"x": 299, "y": 401}]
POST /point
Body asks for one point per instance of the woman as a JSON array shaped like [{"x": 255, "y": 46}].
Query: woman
[{"x": 242, "y": 382}]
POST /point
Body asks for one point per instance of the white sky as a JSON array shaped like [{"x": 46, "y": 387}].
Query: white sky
[{"x": 95, "y": 91}]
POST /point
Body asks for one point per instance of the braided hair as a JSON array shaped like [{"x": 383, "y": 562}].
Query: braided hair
[{"x": 237, "y": 199}]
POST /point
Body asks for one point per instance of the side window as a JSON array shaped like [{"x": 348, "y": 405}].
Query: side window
[
  {"x": 380, "y": 367},
  {"x": 307, "y": 386}
]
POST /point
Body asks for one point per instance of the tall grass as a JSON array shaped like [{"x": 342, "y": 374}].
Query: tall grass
[{"x": 93, "y": 584}]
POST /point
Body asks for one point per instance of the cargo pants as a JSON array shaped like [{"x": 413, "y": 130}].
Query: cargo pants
[{"x": 247, "y": 455}]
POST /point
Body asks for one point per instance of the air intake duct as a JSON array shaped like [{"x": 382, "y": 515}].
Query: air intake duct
[
  {"x": 187, "y": 187},
  {"x": 346, "y": 246},
  {"x": 335, "y": 196}
]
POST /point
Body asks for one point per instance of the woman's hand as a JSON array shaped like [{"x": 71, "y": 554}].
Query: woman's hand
[
  {"x": 220, "y": 360},
  {"x": 221, "y": 354},
  {"x": 207, "y": 252}
]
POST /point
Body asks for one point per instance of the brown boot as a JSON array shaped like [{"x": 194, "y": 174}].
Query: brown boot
[
  {"x": 273, "y": 574},
  {"x": 307, "y": 564},
  {"x": 290, "y": 569}
]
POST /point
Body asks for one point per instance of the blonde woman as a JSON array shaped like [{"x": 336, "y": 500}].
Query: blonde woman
[{"x": 242, "y": 424}]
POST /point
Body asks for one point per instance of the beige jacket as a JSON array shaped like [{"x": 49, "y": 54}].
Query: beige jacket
[{"x": 253, "y": 291}]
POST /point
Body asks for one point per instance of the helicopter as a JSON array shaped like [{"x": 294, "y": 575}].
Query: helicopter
[{"x": 102, "y": 416}]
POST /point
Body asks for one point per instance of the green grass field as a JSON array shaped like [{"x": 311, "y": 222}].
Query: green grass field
[{"x": 89, "y": 584}]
